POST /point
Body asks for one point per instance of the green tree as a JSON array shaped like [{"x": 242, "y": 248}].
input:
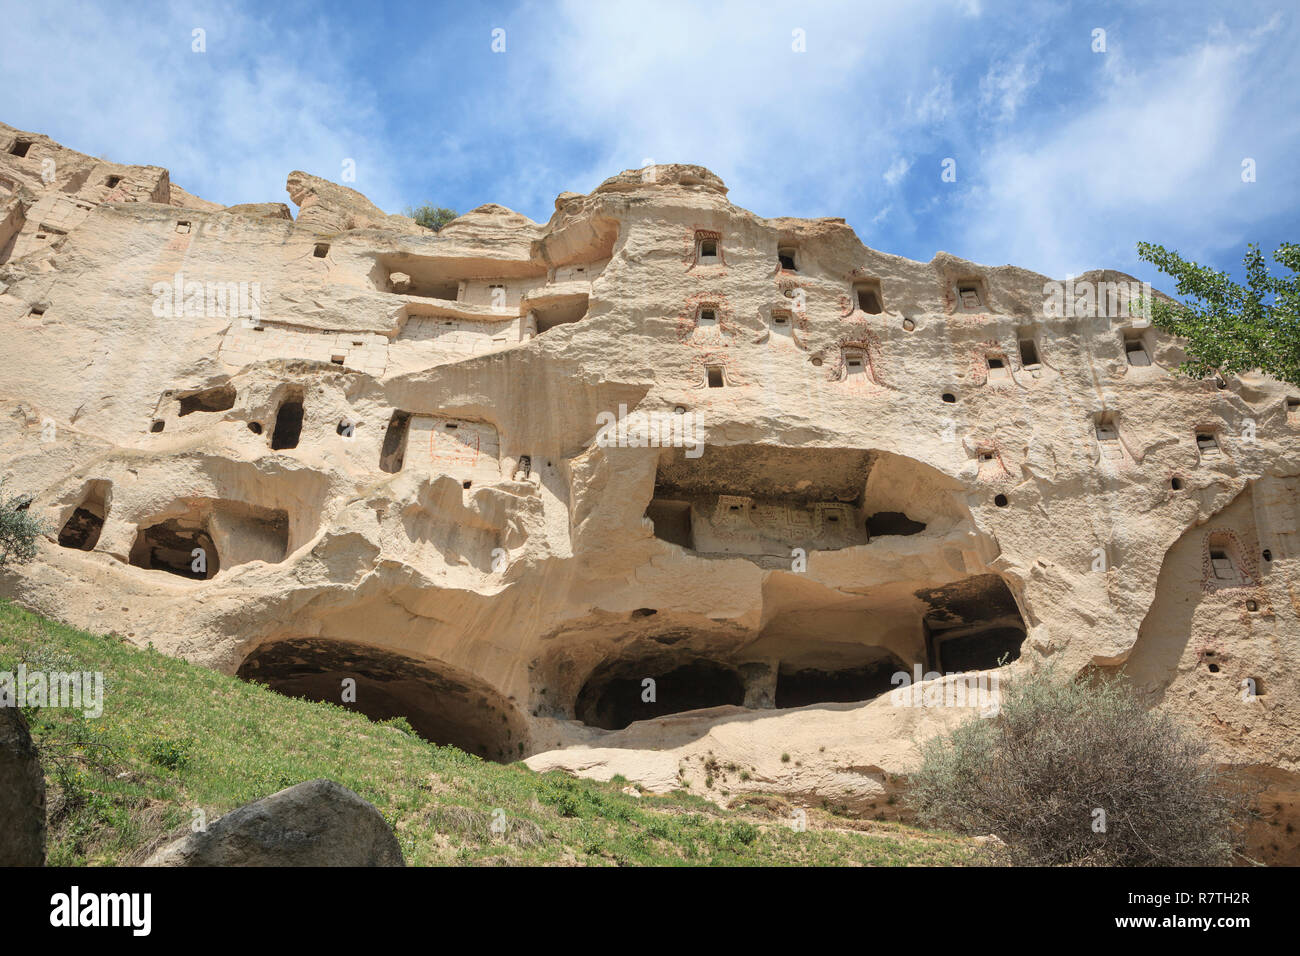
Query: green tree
[
  {"x": 19, "y": 529},
  {"x": 1081, "y": 773},
  {"x": 1231, "y": 328},
  {"x": 431, "y": 217}
]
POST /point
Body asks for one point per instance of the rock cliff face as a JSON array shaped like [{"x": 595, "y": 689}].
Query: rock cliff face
[{"x": 503, "y": 474}]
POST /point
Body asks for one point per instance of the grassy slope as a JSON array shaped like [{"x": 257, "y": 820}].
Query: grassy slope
[{"x": 175, "y": 738}]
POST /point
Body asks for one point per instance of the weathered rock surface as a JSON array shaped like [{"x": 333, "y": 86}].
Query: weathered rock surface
[
  {"x": 317, "y": 823},
  {"x": 22, "y": 794},
  {"x": 399, "y": 456}
]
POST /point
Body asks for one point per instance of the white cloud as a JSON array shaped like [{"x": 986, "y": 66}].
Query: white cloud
[
  {"x": 1156, "y": 155},
  {"x": 229, "y": 123},
  {"x": 1005, "y": 86},
  {"x": 896, "y": 171},
  {"x": 936, "y": 105}
]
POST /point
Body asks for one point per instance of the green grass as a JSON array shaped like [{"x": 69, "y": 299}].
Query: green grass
[{"x": 176, "y": 738}]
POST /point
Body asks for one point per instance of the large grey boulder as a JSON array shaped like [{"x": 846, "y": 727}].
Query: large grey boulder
[
  {"x": 317, "y": 823},
  {"x": 22, "y": 794}
]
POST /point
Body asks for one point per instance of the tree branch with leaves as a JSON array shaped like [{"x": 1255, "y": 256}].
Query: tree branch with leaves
[{"x": 1231, "y": 328}]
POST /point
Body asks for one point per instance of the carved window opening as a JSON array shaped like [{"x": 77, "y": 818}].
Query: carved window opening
[
  {"x": 1029, "y": 353},
  {"x": 393, "y": 452},
  {"x": 970, "y": 296},
  {"x": 288, "y": 422},
  {"x": 1135, "y": 348},
  {"x": 868, "y": 297},
  {"x": 1107, "y": 428}
]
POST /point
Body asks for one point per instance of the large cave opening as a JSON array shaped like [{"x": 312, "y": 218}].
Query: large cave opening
[
  {"x": 761, "y": 501},
  {"x": 442, "y": 704},
  {"x": 799, "y": 686},
  {"x": 621, "y": 692},
  {"x": 972, "y": 625},
  {"x": 180, "y": 546}
]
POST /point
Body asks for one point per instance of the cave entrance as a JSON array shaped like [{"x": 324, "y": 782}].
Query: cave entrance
[
  {"x": 811, "y": 685},
  {"x": 672, "y": 521},
  {"x": 442, "y": 704},
  {"x": 180, "y": 546},
  {"x": 288, "y": 422},
  {"x": 614, "y": 695},
  {"x": 892, "y": 522},
  {"x": 219, "y": 399},
  {"x": 82, "y": 529},
  {"x": 972, "y": 625},
  {"x": 393, "y": 452}
]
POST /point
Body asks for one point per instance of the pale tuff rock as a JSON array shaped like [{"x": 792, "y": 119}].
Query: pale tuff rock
[{"x": 503, "y": 474}]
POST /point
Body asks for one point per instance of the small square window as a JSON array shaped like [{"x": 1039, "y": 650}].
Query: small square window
[
  {"x": 20, "y": 148},
  {"x": 969, "y": 295},
  {"x": 714, "y": 373},
  {"x": 995, "y": 363},
  {"x": 868, "y": 298},
  {"x": 1208, "y": 444},
  {"x": 1135, "y": 349},
  {"x": 708, "y": 318},
  {"x": 36, "y": 312},
  {"x": 785, "y": 256},
  {"x": 112, "y": 181},
  {"x": 322, "y": 250},
  {"x": 182, "y": 226},
  {"x": 708, "y": 248},
  {"x": 157, "y": 426},
  {"x": 336, "y": 359}
]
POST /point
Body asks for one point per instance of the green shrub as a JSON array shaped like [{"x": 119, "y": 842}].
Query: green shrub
[
  {"x": 19, "y": 529},
  {"x": 431, "y": 217}
]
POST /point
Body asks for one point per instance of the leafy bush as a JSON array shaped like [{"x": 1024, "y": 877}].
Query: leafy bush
[
  {"x": 1081, "y": 773},
  {"x": 431, "y": 217},
  {"x": 19, "y": 529}
]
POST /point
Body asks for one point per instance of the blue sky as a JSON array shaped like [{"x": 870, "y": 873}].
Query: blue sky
[{"x": 1064, "y": 157}]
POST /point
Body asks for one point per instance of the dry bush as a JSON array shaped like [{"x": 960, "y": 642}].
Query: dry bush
[{"x": 1058, "y": 752}]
